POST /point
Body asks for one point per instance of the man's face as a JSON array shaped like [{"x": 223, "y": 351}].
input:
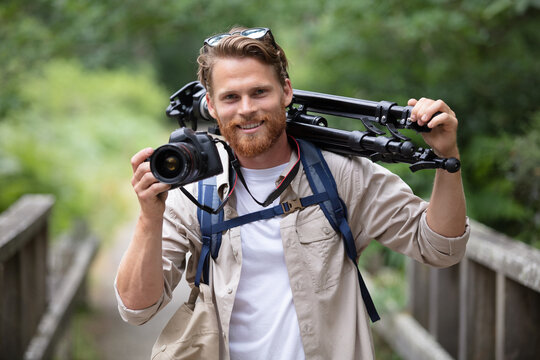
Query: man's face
[{"x": 248, "y": 101}]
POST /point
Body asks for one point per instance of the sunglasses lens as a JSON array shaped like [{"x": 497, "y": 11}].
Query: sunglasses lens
[
  {"x": 215, "y": 39},
  {"x": 255, "y": 33}
]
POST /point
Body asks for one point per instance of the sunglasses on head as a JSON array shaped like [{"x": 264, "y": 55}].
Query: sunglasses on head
[{"x": 254, "y": 33}]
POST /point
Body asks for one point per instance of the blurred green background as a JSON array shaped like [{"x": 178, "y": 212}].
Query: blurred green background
[{"x": 84, "y": 85}]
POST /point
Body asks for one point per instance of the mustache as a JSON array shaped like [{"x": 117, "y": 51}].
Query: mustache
[
  {"x": 240, "y": 120},
  {"x": 248, "y": 120}
]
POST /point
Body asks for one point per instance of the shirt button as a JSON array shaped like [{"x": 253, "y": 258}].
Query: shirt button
[
  {"x": 163, "y": 348},
  {"x": 326, "y": 230},
  {"x": 229, "y": 290}
]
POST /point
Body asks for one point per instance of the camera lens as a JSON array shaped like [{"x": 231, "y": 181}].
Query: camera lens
[
  {"x": 173, "y": 163},
  {"x": 170, "y": 165}
]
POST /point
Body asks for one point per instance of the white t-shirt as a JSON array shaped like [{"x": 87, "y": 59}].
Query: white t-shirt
[{"x": 263, "y": 323}]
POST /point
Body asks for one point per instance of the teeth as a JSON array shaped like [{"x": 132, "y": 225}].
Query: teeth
[{"x": 251, "y": 126}]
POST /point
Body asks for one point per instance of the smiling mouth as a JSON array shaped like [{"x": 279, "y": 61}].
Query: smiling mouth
[{"x": 250, "y": 126}]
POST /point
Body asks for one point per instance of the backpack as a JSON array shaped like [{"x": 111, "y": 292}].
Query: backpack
[{"x": 325, "y": 194}]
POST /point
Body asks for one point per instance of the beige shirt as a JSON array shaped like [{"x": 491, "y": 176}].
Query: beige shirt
[{"x": 331, "y": 314}]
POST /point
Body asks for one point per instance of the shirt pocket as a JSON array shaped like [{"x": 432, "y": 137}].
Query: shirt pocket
[{"x": 322, "y": 250}]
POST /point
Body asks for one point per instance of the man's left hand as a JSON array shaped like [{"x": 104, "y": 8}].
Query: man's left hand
[{"x": 443, "y": 135}]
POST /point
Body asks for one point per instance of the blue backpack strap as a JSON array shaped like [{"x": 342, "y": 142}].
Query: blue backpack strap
[
  {"x": 321, "y": 180},
  {"x": 325, "y": 194},
  {"x": 285, "y": 207},
  {"x": 211, "y": 242}
]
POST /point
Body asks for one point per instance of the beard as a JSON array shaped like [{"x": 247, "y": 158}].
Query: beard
[{"x": 251, "y": 145}]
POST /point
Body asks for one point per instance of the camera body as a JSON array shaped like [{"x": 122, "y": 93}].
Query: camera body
[{"x": 188, "y": 157}]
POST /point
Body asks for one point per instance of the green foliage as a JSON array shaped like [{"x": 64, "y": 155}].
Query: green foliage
[
  {"x": 74, "y": 139},
  {"x": 480, "y": 56}
]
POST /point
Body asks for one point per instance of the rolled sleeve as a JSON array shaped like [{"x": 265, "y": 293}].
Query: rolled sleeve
[
  {"x": 140, "y": 316},
  {"x": 443, "y": 251}
]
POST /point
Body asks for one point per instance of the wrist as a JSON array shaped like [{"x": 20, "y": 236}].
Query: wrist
[
  {"x": 150, "y": 220},
  {"x": 450, "y": 153}
]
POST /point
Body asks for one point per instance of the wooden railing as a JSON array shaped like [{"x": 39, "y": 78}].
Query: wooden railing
[
  {"x": 38, "y": 282},
  {"x": 486, "y": 307}
]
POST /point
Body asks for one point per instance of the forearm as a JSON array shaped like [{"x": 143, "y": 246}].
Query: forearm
[
  {"x": 140, "y": 274},
  {"x": 446, "y": 213}
]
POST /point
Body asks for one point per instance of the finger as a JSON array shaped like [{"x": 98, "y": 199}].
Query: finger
[
  {"x": 419, "y": 110},
  {"x": 140, "y": 171},
  {"x": 434, "y": 107},
  {"x": 414, "y": 112},
  {"x": 154, "y": 190},
  {"x": 146, "y": 180},
  {"x": 443, "y": 119},
  {"x": 149, "y": 189},
  {"x": 140, "y": 157}
]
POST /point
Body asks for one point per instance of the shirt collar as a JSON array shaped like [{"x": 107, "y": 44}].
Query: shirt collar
[{"x": 222, "y": 180}]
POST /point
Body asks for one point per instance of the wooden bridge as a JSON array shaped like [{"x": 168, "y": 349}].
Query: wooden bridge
[{"x": 487, "y": 307}]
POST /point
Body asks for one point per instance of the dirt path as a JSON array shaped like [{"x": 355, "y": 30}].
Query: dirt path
[{"x": 112, "y": 337}]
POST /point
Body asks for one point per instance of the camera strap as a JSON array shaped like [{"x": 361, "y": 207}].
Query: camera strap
[
  {"x": 236, "y": 173},
  {"x": 281, "y": 186},
  {"x": 232, "y": 180}
]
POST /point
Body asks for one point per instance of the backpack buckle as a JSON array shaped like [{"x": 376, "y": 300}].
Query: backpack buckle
[{"x": 289, "y": 206}]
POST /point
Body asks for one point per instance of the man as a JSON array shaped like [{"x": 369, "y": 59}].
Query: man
[{"x": 284, "y": 288}]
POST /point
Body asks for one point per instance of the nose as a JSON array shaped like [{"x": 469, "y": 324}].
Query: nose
[{"x": 247, "y": 106}]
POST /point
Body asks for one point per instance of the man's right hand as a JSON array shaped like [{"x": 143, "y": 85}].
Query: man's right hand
[{"x": 150, "y": 192}]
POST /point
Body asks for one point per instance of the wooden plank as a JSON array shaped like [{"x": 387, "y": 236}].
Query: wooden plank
[
  {"x": 445, "y": 308},
  {"x": 10, "y": 313},
  {"x": 514, "y": 259},
  {"x": 463, "y": 308},
  {"x": 500, "y": 302},
  {"x": 480, "y": 327},
  {"x": 62, "y": 302},
  {"x": 41, "y": 272},
  {"x": 22, "y": 221},
  {"x": 419, "y": 292},
  {"x": 408, "y": 338},
  {"x": 2, "y": 291},
  {"x": 27, "y": 282},
  {"x": 522, "y": 322}
]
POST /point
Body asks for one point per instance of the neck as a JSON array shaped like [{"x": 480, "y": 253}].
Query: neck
[{"x": 279, "y": 153}]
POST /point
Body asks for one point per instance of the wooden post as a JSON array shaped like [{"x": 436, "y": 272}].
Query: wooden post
[
  {"x": 522, "y": 321},
  {"x": 419, "y": 292},
  {"x": 23, "y": 257},
  {"x": 444, "y": 308},
  {"x": 10, "y": 321}
]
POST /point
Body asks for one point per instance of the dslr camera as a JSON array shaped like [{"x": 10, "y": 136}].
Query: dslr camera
[{"x": 188, "y": 157}]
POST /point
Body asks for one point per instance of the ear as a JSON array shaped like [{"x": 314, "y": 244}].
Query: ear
[
  {"x": 287, "y": 93},
  {"x": 210, "y": 105}
]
